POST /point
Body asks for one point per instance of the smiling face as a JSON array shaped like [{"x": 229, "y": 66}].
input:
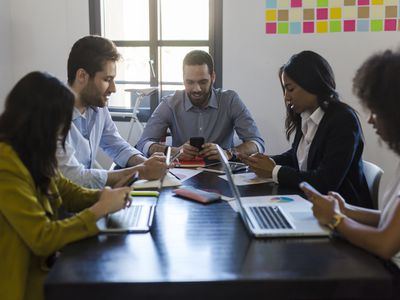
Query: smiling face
[
  {"x": 99, "y": 88},
  {"x": 198, "y": 83},
  {"x": 297, "y": 98}
]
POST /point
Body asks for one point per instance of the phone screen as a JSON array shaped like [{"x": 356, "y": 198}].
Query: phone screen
[{"x": 197, "y": 142}]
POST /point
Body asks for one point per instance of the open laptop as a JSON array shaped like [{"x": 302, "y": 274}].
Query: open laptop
[
  {"x": 264, "y": 218},
  {"x": 138, "y": 217}
]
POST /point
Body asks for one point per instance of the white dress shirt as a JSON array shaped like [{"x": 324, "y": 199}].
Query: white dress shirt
[
  {"x": 309, "y": 126},
  {"x": 89, "y": 131}
]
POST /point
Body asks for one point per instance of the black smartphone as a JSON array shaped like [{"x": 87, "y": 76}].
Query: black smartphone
[
  {"x": 306, "y": 187},
  {"x": 197, "y": 142}
]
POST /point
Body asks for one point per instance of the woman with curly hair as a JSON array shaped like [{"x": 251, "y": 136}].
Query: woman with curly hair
[{"x": 376, "y": 83}]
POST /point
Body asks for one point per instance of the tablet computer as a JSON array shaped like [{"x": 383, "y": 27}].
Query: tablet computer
[{"x": 219, "y": 168}]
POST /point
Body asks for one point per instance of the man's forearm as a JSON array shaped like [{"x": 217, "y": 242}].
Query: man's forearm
[
  {"x": 156, "y": 148},
  {"x": 248, "y": 148},
  {"x": 135, "y": 160}
]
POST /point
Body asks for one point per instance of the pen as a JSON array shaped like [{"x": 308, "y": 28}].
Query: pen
[
  {"x": 176, "y": 155},
  {"x": 174, "y": 175}
]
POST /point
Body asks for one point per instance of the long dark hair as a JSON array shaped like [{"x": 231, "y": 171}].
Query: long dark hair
[
  {"x": 314, "y": 74},
  {"x": 376, "y": 84},
  {"x": 38, "y": 112}
]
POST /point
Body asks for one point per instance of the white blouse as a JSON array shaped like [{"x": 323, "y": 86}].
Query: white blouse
[{"x": 391, "y": 199}]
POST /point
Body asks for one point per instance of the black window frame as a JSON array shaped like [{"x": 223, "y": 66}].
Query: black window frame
[{"x": 214, "y": 43}]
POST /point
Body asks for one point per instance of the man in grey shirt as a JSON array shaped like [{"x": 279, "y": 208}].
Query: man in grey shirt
[{"x": 201, "y": 111}]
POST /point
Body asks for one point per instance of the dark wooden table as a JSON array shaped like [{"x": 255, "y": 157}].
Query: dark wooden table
[{"x": 197, "y": 251}]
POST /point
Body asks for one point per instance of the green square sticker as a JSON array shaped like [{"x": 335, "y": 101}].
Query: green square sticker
[
  {"x": 322, "y": 3},
  {"x": 283, "y": 27},
  {"x": 376, "y": 25},
  {"x": 335, "y": 26}
]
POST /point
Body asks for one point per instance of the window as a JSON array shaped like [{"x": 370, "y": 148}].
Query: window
[{"x": 153, "y": 36}]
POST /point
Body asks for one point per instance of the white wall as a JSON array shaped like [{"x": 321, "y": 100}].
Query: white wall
[
  {"x": 6, "y": 71},
  {"x": 251, "y": 60},
  {"x": 43, "y": 33},
  {"x": 37, "y": 35}
]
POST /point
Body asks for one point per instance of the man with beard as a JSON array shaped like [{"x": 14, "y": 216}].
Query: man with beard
[
  {"x": 201, "y": 111},
  {"x": 91, "y": 73}
]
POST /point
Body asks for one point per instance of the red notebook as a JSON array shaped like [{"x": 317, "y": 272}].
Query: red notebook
[{"x": 193, "y": 163}]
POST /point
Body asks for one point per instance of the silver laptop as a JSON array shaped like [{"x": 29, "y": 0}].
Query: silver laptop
[
  {"x": 138, "y": 217},
  {"x": 263, "y": 218}
]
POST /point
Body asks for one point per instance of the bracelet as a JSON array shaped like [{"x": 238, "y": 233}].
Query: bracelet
[{"x": 336, "y": 220}]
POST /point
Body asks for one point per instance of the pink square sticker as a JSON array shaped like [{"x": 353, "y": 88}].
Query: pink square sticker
[
  {"x": 322, "y": 13},
  {"x": 270, "y": 28},
  {"x": 363, "y": 2},
  {"x": 390, "y": 25},
  {"x": 308, "y": 27},
  {"x": 349, "y": 25},
  {"x": 296, "y": 3}
]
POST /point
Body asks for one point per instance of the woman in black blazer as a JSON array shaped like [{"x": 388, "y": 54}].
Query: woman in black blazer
[{"x": 328, "y": 142}]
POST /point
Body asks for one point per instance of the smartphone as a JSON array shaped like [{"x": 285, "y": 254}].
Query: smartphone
[
  {"x": 306, "y": 187},
  {"x": 197, "y": 142}
]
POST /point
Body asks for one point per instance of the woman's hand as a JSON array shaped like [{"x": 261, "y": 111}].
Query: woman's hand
[
  {"x": 324, "y": 206},
  {"x": 111, "y": 200},
  {"x": 259, "y": 163}
]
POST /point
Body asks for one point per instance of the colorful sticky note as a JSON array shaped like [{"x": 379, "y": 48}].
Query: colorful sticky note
[{"x": 322, "y": 16}]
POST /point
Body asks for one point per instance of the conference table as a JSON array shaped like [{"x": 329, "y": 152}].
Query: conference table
[{"x": 197, "y": 251}]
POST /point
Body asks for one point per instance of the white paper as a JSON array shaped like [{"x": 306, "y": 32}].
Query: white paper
[
  {"x": 247, "y": 179},
  {"x": 169, "y": 180},
  {"x": 184, "y": 173}
]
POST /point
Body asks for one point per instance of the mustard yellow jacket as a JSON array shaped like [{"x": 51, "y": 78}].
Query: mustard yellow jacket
[{"x": 29, "y": 230}]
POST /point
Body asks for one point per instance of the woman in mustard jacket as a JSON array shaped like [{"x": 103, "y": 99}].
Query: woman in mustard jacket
[{"x": 37, "y": 114}]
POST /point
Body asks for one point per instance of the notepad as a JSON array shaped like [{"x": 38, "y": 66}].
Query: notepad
[
  {"x": 169, "y": 180},
  {"x": 193, "y": 163}
]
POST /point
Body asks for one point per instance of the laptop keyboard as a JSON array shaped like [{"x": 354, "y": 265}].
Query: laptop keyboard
[
  {"x": 270, "y": 217},
  {"x": 127, "y": 217}
]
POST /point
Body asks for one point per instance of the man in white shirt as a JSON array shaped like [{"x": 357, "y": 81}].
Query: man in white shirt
[{"x": 91, "y": 73}]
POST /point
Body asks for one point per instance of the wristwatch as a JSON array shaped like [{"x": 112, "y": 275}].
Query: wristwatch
[
  {"x": 231, "y": 154},
  {"x": 336, "y": 220}
]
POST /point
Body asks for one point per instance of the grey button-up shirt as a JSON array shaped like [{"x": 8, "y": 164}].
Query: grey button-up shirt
[{"x": 224, "y": 114}]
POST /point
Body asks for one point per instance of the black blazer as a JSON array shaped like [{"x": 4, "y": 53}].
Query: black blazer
[{"x": 334, "y": 159}]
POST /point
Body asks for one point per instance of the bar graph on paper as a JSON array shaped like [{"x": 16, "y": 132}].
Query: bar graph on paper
[{"x": 328, "y": 16}]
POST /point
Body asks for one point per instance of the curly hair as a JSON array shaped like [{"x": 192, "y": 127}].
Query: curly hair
[{"x": 377, "y": 85}]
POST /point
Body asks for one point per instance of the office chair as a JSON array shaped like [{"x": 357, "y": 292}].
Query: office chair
[
  {"x": 136, "y": 127},
  {"x": 373, "y": 175}
]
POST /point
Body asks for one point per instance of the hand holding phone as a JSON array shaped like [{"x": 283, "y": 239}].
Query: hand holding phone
[
  {"x": 197, "y": 142},
  {"x": 309, "y": 190}
]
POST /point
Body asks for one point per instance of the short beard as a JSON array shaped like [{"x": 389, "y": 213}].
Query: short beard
[{"x": 89, "y": 96}]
